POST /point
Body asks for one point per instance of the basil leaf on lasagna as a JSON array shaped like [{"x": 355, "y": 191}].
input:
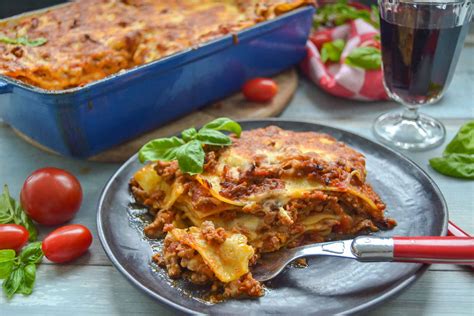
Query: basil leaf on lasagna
[
  {"x": 190, "y": 157},
  {"x": 189, "y": 134},
  {"x": 188, "y": 150},
  {"x": 224, "y": 124},
  {"x": 213, "y": 137},
  {"x": 160, "y": 149}
]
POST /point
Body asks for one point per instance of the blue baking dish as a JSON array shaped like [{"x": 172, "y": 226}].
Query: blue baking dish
[{"x": 84, "y": 121}]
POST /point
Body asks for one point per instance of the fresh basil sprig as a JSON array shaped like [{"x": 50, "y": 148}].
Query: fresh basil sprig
[
  {"x": 24, "y": 41},
  {"x": 19, "y": 271},
  {"x": 188, "y": 150},
  {"x": 332, "y": 50},
  {"x": 12, "y": 212},
  {"x": 365, "y": 57},
  {"x": 458, "y": 157},
  {"x": 335, "y": 14}
]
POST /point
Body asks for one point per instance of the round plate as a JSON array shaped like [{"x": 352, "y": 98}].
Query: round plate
[{"x": 328, "y": 285}]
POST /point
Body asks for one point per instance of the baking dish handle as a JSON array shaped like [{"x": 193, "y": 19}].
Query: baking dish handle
[{"x": 5, "y": 87}]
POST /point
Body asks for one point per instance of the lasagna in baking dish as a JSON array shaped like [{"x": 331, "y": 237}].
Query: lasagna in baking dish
[
  {"x": 271, "y": 188},
  {"x": 87, "y": 40}
]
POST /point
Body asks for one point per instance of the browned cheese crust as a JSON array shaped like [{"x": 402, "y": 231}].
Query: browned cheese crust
[{"x": 88, "y": 40}]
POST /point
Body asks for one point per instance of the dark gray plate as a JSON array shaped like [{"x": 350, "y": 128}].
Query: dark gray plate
[{"x": 328, "y": 285}]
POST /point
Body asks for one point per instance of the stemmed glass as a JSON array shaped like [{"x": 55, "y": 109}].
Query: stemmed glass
[{"x": 421, "y": 44}]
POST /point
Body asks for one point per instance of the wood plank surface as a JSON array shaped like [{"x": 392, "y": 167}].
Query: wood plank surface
[{"x": 94, "y": 290}]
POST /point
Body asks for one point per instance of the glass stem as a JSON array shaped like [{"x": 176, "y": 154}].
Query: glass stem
[{"x": 410, "y": 113}]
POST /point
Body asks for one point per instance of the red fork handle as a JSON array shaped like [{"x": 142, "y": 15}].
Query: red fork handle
[
  {"x": 456, "y": 250},
  {"x": 454, "y": 230}
]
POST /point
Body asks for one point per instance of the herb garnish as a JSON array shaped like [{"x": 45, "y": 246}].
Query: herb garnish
[
  {"x": 24, "y": 41},
  {"x": 332, "y": 50},
  {"x": 19, "y": 271},
  {"x": 335, "y": 14},
  {"x": 188, "y": 150},
  {"x": 12, "y": 212},
  {"x": 365, "y": 57},
  {"x": 458, "y": 157}
]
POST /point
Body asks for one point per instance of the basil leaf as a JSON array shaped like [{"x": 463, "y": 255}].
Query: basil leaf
[
  {"x": 13, "y": 282},
  {"x": 31, "y": 253},
  {"x": 332, "y": 50},
  {"x": 160, "y": 149},
  {"x": 7, "y": 257},
  {"x": 6, "y": 213},
  {"x": 24, "y": 41},
  {"x": 463, "y": 142},
  {"x": 458, "y": 157},
  {"x": 29, "y": 277},
  {"x": 365, "y": 57},
  {"x": 455, "y": 165},
  {"x": 27, "y": 223},
  {"x": 189, "y": 134},
  {"x": 375, "y": 16},
  {"x": 334, "y": 14},
  {"x": 213, "y": 137},
  {"x": 12, "y": 212},
  {"x": 191, "y": 157},
  {"x": 224, "y": 124}
]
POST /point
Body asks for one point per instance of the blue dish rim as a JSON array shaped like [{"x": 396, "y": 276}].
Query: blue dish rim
[{"x": 365, "y": 306}]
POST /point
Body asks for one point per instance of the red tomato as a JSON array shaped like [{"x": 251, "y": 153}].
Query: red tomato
[
  {"x": 321, "y": 37},
  {"x": 51, "y": 196},
  {"x": 260, "y": 89},
  {"x": 13, "y": 236},
  {"x": 67, "y": 243}
]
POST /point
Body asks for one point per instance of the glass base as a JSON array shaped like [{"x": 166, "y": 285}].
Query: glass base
[{"x": 420, "y": 132}]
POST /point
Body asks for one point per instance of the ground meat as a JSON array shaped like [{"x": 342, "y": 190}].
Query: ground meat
[
  {"x": 210, "y": 161},
  {"x": 271, "y": 243},
  {"x": 169, "y": 170},
  {"x": 246, "y": 285},
  {"x": 212, "y": 234},
  {"x": 152, "y": 201},
  {"x": 182, "y": 260},
  {"x": 156, "y": 228},
  {"x": 246, "y": 187}
]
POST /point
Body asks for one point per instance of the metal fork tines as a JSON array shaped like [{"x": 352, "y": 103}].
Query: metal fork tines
[{"x": 271, "y": 264}]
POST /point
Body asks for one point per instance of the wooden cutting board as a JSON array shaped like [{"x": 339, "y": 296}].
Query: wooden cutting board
[{"x": 235, "y": 107}]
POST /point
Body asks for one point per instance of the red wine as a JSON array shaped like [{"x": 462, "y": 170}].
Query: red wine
[{"x": 419, "y": 62}]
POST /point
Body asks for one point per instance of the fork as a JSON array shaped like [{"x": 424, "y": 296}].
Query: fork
[{"x": 454, "y": 250}]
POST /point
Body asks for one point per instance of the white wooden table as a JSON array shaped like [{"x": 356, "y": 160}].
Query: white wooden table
[{"x": 92, "y": 285}]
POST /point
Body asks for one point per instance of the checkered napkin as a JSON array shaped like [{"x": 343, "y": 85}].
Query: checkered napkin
[{"x": 340, "y": 79}]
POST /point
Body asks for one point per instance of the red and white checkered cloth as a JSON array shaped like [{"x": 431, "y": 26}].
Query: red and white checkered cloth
[{"x": 340, "y": 79}]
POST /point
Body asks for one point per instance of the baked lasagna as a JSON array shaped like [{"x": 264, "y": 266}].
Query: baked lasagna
[
  {"x": 271, "y": 188},
  {"x": 87, "y": 40}
]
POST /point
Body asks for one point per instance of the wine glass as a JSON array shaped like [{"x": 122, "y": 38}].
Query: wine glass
[{"x": 421, "y": 44}]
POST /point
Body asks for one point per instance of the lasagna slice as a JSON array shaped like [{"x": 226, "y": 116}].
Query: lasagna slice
[
  {"x": 277, "y": 188},
  {"x": 208, "y": 255}
]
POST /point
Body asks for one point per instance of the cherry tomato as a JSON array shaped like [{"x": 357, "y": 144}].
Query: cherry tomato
[
  {"x": 321, "y": 37},
  {"x": 13, "y": 236},
  {"x": 67, "y": 243},
  {"x": 260, "y": 89},
  {"x": 51, "y": 196}
]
